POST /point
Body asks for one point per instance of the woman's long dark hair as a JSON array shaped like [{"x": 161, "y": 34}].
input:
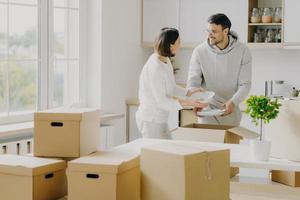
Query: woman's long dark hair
[{"x": 165, "y": 38}]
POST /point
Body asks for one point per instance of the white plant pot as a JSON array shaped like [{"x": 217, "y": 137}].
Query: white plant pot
[{"x": 260, "y": 150}]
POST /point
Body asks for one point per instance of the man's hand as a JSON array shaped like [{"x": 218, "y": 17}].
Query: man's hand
[
  {"x": 229, "y": 108},
  {"x": 195, "y": 110}
]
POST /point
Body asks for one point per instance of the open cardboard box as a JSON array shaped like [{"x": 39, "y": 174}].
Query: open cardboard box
[{"x": 214, "y": 133}]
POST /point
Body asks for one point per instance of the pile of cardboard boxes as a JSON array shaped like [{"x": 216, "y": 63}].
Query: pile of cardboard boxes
[
  {"x": 66, "y": 162},
  {"x": 65, "y": 159},
  {"x": 59, "y": 135}
]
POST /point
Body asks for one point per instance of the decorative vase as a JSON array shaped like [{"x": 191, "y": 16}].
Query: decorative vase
[{"x": 260, "y": 149}]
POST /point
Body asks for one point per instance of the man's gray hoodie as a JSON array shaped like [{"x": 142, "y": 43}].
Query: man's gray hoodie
[{"x": 227, "y": 72}]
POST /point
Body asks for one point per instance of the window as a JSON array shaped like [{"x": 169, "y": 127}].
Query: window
[
  {"x": 65, "y": 52},
  {"x": 39, "y": 56},
  {"x": 19, "y": 57}
]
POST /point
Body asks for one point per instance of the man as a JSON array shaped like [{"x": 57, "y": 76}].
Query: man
[{"x": 222, "y": 64}]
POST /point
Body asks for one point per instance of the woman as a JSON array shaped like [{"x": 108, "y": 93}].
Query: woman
[{"x": 158, "y": 92}]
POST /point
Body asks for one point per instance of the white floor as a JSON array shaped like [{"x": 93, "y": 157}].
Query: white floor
[
  {"x": 254, "y": 197},
  {"x": 243, "y": 197}
]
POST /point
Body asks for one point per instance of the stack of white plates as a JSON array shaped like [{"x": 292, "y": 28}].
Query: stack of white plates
[
  {"x": 210, "y": 112},
  {"x": 203, "y": 96}
]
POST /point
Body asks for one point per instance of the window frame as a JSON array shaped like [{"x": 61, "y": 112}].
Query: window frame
[{"x": 45, "y": 60}]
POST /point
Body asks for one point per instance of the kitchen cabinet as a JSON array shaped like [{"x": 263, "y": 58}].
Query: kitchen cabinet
[
  {"x": 194, "y": 15},
  {"x": 186, "y": 116},
  {"x": 132, "y": 131},
  {"x": 291, "y": 21},
  {"x": 265, "y": 35},
  {"x": 106, "y": 137},
  {"x": 190, "y": 17},
  {"x": 158, "y": 14}
]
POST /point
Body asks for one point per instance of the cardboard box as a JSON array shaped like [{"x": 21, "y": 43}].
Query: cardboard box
[
  {"x": 68, "y": 132},
  {"x": 186, "y": 116},
  {"x": 285, "y": 130},
  {"x": 214, "y": 133},
  {"x": 30, "y": 178},
  {"x": 286, "y": 177},
  {"x": 104, "y": 175},
  {"x": 180, "y": 172}
]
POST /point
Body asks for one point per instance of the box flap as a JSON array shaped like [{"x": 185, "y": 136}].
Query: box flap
[
  {"x": 199, "y": 134},
  {"x": 181, "y": 148},
  {"x": 105, "y": 162},
  {"x": 29, "y": 166},
  {"x": 243, "y": 132},
  {"x": 75, "y": 114}
]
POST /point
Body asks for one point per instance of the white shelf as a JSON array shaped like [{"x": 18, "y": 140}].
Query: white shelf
[
  {"x": 264, "y": 45},
  {"x": 264, "y": 24}
]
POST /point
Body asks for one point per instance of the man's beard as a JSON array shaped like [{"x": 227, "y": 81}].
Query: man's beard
[{"x": 216, "y": 42}]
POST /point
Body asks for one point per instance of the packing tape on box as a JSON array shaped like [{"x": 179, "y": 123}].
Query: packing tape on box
[{"x": 208, "y": 166}]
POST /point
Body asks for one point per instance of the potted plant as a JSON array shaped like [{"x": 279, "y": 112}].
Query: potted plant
[{"x": 261, "y": 109}]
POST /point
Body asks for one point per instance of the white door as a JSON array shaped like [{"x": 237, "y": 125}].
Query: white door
[
  {"x": 158, "y": 14},
  {"x": 194, "y": 15}
]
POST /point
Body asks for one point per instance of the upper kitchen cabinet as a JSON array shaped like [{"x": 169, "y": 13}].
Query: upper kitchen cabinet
[
  {"x": 291, "y": 21},
  {"x": 265, "y": 23},
  {"x": 158, "y": 14},
  {"x": 194, "y": 15},
  {"x": 190, "y": 17}
]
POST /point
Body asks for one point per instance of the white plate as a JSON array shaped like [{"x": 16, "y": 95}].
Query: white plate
[
  {"x": 211, "y": 112},
  {"x": 203, "y": 96}
]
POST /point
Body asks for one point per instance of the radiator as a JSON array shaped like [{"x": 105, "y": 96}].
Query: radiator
[{"x": 22, "y": 147}]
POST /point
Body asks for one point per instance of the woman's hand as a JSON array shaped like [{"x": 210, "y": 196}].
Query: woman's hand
[{"x": 194, "y": 90}]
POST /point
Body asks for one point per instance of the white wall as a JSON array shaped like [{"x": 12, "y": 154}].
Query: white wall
[
  {"x": 122, "y": 57},
  {"x": 268, "y": 64}
]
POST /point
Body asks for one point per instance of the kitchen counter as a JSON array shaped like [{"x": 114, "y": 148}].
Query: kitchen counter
[
  {"x": 104, "y": 117},
  {"x": 134, "y": 101}
]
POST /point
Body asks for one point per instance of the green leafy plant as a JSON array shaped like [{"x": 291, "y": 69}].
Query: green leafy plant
[{"x": 262, "y": 109}]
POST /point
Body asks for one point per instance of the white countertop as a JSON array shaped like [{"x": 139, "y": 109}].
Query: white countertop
[
  {"x": 239, "y": 154},
  {"x": 134, "y": 101}
]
